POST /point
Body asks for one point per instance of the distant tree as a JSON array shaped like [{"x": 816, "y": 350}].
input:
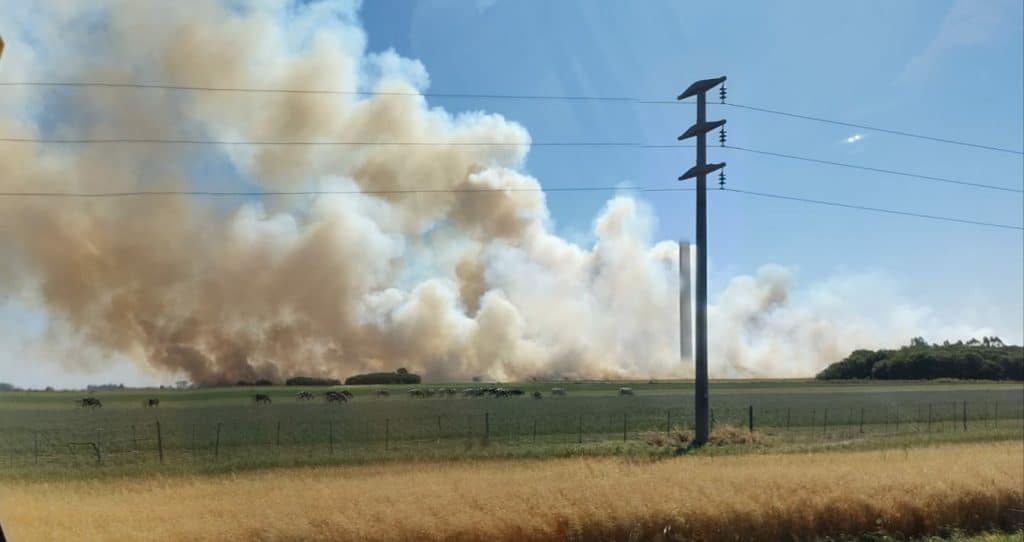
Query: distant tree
[
  {"x": 402, "y": 371},
  {"x": 311, "y": 381},
  {"x": 918, "y": 342},
  {"x": 383, "y": 378},
  {"x": 182, "y": 384},
  {"x": 4, "y": 386},
  {"x": 994, "y": 361}
]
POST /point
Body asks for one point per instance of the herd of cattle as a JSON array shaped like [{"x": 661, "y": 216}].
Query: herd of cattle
[{"x": 344, "y": 396}]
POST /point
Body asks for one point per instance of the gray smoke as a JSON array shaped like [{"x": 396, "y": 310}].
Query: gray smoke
[{"x": 450, "y": 284}]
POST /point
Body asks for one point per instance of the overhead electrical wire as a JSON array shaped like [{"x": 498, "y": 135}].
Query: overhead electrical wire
[
  {"x": 498, "y": 96},
  {"x": 544, "y": 144},
  {"x": 397, "y": 191},
  {"x": 876, "y": 170},
  {"x": 874, "y": 209},
  {"x": 204, "y": 193}
]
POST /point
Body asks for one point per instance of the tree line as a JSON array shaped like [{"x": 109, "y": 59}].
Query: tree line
[{"x": 985, "y": 359}]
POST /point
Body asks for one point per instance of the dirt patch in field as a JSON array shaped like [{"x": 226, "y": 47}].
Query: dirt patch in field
[{"x": 725, "y": 435}]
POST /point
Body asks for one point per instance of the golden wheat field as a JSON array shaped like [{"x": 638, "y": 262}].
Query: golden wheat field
[{"x": 751, "y": 497}]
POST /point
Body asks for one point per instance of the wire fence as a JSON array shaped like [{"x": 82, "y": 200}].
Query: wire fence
[{"x": 177, "y": 441}]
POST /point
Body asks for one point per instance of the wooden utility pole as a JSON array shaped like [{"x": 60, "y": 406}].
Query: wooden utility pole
[{"x": 700, "y": 171}]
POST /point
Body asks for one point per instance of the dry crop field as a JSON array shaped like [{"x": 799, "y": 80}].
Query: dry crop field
[{"x": 908, "y": 492}]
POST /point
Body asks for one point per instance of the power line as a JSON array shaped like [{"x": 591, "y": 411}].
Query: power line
[
  {"x": 205, "y": 193},
  {"x": 176, "y": 141},
  {"x": 875, "y": 209},
  {"x": 875, "y": 128},
  {"x": 248, "y": 90},
  {"x": 468, "y": 95},
  {"x": 878, "y": 170},
  {"x": 547, "y": 144}
]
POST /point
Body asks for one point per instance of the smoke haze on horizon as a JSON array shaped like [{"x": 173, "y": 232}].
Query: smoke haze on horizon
[{"x": 448, "y": 284}]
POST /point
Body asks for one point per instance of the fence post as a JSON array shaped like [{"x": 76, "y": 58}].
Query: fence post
[
  {"x": 579, "y": 434},
  {"x": 997, "y": 415},
  {"x": 711, "y": 411},
  {"x": 216, "y": 444},
  {"x": 439, "y": 432},
  {"x": 824, "y": 430},
  {"x": 862, "y": 420},
  {"x": 99, "y": 445},
  {"x": 787, "y": 418},
  {"x": 160, "y": 441},
  {"x": 387, "y": 433},
  {"x": 624, "y": 426},
  {"x": 487, "y": 427},
  {"x": 135, "y": 442},
  {"x": 965, "y": 415},
  {"x": 929, "y": 417},
  {"x": 535, "y": 430},
  {"x": 277, "y": 439},
  {"x": 897, "y": 418},
  {"x": 750, "y": 418},
  {"x": 35, "y": 447},
  {"x": 330, "y": 438}
]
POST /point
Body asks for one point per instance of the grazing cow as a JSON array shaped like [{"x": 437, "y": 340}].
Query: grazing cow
[
  {"x": 625, "y": 391},
  {"x": 262, "y": 399},
  {"x": 472, "y": 392},
  {"x": 501, "y": 392},
  {"x": 90, "y": 402},
  {"x": 152, "y": 403},
  {"x": 416, "y": 392},
  {"x": 557, "y": 391},
  {"x": 538, "y": 395},
  {"x": 347, "y": 394},
  {"x": 516, "y": 391},
  {"x": 382, "y": 393},
  {"x": 304, "y": 396},
  {"x": 336, "y": 397}
]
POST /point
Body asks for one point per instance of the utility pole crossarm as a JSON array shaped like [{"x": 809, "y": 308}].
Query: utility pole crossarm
[
  {"x": 701, "y": 129},
  {"x": 701, "y": 170},
  {"x": 700, "y": 87}
]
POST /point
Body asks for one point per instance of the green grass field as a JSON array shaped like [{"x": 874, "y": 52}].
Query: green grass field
[{"x": 223, "y": 428}]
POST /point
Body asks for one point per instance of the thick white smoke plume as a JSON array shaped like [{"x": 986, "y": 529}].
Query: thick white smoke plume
[{"x": 451, "y": 284}]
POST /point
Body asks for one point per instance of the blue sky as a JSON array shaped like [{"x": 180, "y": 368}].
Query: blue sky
[
  {"x": 947, "y": 69},
  {"x": 950, "y": 69}
]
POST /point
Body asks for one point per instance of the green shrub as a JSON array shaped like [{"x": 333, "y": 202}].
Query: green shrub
[
  {"x": 311, "y": 381},
  {"x": 383, "y": 378},
  {"x": 920, "y": 361}
]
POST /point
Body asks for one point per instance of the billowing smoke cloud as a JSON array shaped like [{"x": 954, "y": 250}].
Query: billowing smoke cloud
[{"x": 452, "y": 284}]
